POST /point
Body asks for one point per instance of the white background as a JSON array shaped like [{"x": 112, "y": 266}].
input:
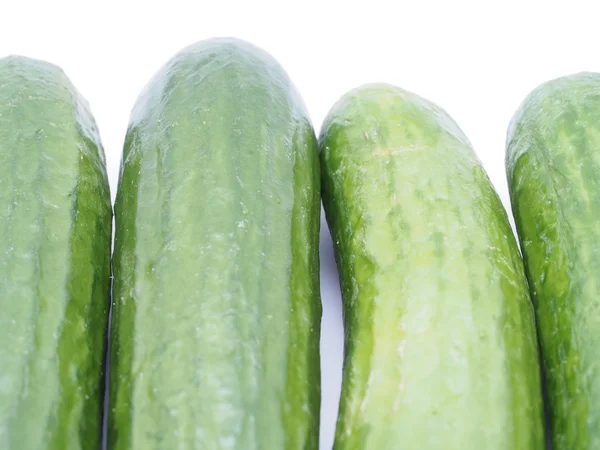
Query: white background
[{"x": 478, "y": 60}]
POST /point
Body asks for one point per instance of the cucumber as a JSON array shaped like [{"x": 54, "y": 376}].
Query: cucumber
[
  {"x": 553, "y": 162},
  {"x": 216, "y": 310},
  {"x": 55, "y": 231},
  {"x": 440, "y": 345}
]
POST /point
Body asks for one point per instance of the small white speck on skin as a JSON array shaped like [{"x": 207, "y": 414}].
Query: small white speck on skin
[
  {"x": 397, "y": 398},
  {"x": 363, "y": 404},
  {"x": 227, "y": 442},
  {"x": 401, "y": 347},
  {"x": 423, "y": 329}
]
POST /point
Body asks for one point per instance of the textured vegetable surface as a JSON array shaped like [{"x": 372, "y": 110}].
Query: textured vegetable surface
[
  {"x": 440, "y": 349},
  {"x": 553, "y": 166},
  {"x": 216, "y": 302},
  {"x": 55, "y": 229}
]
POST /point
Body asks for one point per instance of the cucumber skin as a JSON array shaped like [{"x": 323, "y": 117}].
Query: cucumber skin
[
  {"x": 216, "y": 310},
  {"x": 440, "y": 345},
  {"x": 55, "y": 231},
  {"x": 553, "y": 164}
]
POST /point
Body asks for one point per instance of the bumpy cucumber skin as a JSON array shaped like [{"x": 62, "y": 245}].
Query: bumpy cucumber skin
[
  {"x": 55, "y": 230},
  {"x": 216, "y": 311},
  {"x": 440, "y": 345},
  {"x": 553, "y": 167}
]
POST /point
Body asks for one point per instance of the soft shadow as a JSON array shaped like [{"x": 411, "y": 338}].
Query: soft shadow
[{"x": 332, "y": 338}]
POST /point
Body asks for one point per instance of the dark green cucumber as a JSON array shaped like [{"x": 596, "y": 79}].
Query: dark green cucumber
[
  {"x": 216, "y": 303},
  {"x": 440, "y": 349},
  {"x": 55, "y": 230},
  {"x": 553, "y": 168}
]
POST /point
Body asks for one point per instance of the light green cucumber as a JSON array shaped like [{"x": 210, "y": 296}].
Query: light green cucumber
[
  {"x": 55, "y": 231},
  {"x": 216, "y": 313},
  {"x": 440, "y": 348}
]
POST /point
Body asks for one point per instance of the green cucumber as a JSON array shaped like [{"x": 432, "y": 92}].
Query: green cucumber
[
  {"x": 55, "y": 231},
  {"x": 216, "y": 310},
  {"x": 440, "y": 348},
  {"x": 553, "y": 167}
]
